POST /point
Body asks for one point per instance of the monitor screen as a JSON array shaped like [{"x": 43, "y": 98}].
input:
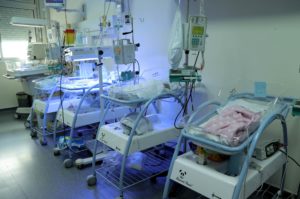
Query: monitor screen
[
  {"x": 198, "y": 30},
  {"x": 54, "y": 3}
]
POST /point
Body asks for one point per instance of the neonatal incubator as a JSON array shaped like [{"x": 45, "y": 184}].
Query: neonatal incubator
[
  {"x": 81, "y": 114},
  {"x": 222, "y": 138},
  {"x": 138, "y": 138},
  {"x": 47, "y": 100}
]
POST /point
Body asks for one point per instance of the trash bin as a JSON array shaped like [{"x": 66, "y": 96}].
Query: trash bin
[{"x": 24, "y": 100}]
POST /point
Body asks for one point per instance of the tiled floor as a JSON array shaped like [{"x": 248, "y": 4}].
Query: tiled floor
[{"x": 30, "y": 171}]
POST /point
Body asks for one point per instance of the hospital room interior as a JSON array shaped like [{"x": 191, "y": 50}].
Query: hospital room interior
[{"x": 149, "y": 99}]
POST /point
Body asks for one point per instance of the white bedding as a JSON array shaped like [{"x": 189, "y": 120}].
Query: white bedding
[{"x": 256, "y": 107}]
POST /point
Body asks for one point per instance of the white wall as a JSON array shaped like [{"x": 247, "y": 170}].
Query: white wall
[
  {"x": 94, "y": 11},
  {"x": 72, "y": 17},
  {"x": 8, "y": 89},
  {"x": 248, "y": 40},
  {"x": 152, "y": 22},
  {"x": 257, "y": 40}
]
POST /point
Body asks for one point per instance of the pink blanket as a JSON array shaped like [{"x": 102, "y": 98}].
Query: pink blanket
[{"x": 233, "y": 124}]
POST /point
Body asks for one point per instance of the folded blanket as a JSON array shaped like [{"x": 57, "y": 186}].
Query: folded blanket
[{"x": 232, "y": 125}]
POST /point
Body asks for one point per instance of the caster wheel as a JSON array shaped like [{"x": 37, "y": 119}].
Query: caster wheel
[
  {"x": 42, "y": 142},
  {"x": 17, "y": 116},
  {"x": 56, "y": 152},
  {"x": 91, "y": 180},
  {"x": 68, "y": 163},
  {"x": 79, "y": 166},
  {"x": 27, "y": 124},
  {"x": 33, "y": 134}
]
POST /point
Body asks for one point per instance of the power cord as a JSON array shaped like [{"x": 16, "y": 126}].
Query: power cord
[
  {"x": 196, "y": 59},
  {"x": 190, "y": 97},
  {"x": 184, "y": 107},
  {"x": 297, "y": 163}
]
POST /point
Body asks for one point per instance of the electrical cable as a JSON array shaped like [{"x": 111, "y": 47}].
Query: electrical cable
[
  {"x": 193, "y": 87},
  {"x": 176, "y": 118},
  {"x": 196, "y": 59},
  {"x": 297, "y": 163},
  {"x": 183, "y": 108},
  {"x": 283, "y": 176},
  {"x": 187, "y": 101},
  {"x": 190, "y": 97},
  {"x": 139, "y": 68}
]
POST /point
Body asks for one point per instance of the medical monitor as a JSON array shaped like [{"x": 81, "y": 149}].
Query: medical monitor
[{"x": 55, "y": 3}]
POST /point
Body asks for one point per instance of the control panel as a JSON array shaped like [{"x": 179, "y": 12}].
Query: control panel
[{"x": 196, "y": 33}]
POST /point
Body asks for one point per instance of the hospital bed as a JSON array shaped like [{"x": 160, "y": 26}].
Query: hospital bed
[{"x": 239, "y": 175}]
